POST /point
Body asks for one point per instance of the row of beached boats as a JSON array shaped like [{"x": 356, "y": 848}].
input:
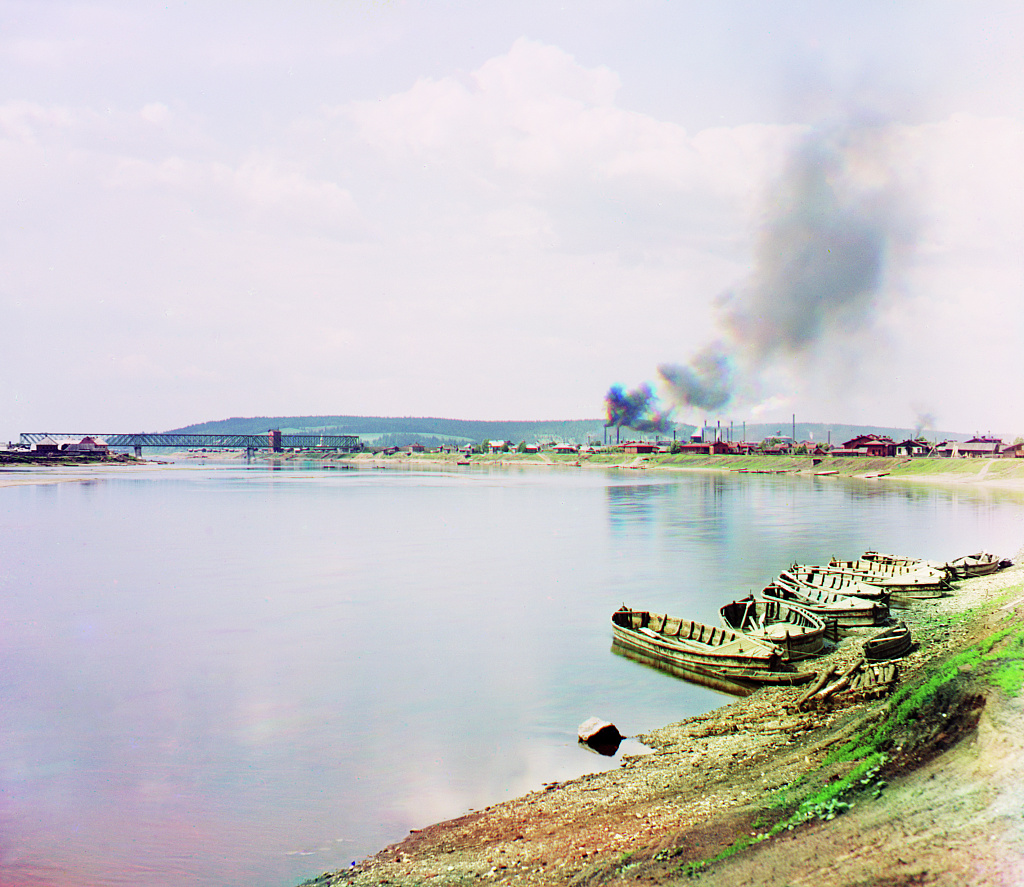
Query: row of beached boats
[{"x": 767, "y": 639}]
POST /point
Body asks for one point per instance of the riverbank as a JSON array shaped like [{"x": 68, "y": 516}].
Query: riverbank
[
  {"x": 1002, "y": 473},
  {"x": 1006, "y": 473},
  {"x": 919, "y": 788}
]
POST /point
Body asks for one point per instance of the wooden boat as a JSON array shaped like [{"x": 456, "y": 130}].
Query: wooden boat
[
  {"x": 882, "y": 570},
  {"x": 980, "y": 564},
  {"x": 797, "y": 632},
  {"x": 890, "y": 643},
  {"x": 909, "y": 581},
  {"x": 879, "y": 557},
  {"x": 838, "y": 582},
  {"x": 700, "y": 652},
  {"x": 847, "y": 611}
]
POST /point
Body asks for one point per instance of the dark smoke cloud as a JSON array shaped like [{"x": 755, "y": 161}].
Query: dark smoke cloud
[
  {"x": 637, "y": 409},
  {"x": 706, "y": 383},
  {"x": 832, "y": 223},
  {"x": 821, "y": 254}
]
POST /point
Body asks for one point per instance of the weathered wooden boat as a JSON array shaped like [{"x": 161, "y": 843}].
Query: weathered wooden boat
[
  {"x": 920, "y": 574},
  {"x": 909, "y": 581},
  {"x": 848, "y": 611},
  {"x": 839, "y": 582},
  {"x": 879, "y": 557},
  {"x": 891, "y": 642},
  {"x": 700, "y": 652},
  {"x": 797, "y": 632},
  {"x": 980, "y": 564}
]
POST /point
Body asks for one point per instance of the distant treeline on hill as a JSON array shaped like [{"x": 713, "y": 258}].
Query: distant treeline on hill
[{"x": 401, "y": 431}]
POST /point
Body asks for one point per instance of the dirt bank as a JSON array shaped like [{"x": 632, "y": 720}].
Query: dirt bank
[
  {"x": 1001, "y": 473},
  {"x": 930, "y": 791}
]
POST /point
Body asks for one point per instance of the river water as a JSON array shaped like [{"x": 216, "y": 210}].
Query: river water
[{"x": 246, "y": 676}]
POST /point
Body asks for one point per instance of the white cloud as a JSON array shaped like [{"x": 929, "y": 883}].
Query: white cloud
[{"x": 408, "y": 249}]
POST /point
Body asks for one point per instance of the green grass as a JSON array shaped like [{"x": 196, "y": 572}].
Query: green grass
[{"x": 997, "y": 660}]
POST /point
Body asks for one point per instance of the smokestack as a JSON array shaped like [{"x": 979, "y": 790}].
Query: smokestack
[{"x": 794, "y": 427}]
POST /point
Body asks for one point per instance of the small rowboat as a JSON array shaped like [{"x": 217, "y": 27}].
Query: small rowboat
[
  {"x": 980, "y": 564},
  {"x": 797, "y": 632},
  {"x": 896, "y": 577},
  {"x": 890, "y": 643},
  {"x": 898, "y": 560},
  {"x": 700, "y": 652},
  {"x": 848, "y": 584},
  {"x": 847, "y": 611},
  {"x": 914, "y": 580}
]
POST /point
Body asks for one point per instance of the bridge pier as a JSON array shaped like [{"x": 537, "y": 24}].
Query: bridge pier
[{"x": 138, "y": 451}]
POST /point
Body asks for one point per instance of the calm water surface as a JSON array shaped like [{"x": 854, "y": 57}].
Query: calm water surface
[{"x": 233, "y": 676}]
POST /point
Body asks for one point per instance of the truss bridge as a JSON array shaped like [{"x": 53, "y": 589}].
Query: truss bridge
[{"x": 272, "y": 440}]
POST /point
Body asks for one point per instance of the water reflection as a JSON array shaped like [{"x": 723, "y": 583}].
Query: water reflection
[{"x": 227, "y": 676}]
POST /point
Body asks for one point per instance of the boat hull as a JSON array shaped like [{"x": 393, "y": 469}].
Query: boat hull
[
  {"x": 890, "y": 643},
  {"x": 849, "y": 612},
  {"x": 692, "y": 650},
  {"x": 799, "y": 633},
  {"x": 894, "y": 575},
  {"x": 834, "y": 581}
]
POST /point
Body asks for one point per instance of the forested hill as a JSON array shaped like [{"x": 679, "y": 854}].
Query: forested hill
[{"x": 427, "y": 430}]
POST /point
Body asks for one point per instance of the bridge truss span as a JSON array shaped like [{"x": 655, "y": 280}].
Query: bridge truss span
[{"x": 273, "y": 440}]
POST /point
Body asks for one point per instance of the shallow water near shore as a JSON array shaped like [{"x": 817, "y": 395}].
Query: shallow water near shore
[{"x": 238, "y": 675}]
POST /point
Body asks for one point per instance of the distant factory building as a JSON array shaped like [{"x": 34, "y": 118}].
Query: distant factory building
[{"x": 635, "y": 446}]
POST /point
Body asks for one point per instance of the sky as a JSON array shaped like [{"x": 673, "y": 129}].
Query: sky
[{"x": 496, "y": 210}]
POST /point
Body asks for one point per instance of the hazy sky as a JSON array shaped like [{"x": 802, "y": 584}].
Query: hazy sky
[{"x": 497, "y": 210}]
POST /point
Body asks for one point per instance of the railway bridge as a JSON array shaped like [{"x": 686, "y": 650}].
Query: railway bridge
[{"x": 273, "y": 440}]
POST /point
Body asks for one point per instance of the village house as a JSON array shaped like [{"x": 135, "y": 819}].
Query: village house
[
  {"x": 705, "y": 448},
  {"x": 777, "y": 446},
  {"x": 92, "y": 446},
  {"x": 638, "y": 447},
  {"x": 867, "y": 445},
  {"x": 981, "y": 447},
  {"x": 916, "y": 447}
]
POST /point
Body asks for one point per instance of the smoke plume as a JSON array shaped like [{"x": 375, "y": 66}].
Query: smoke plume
[
  {"x": 706, "y": 383},
  {"x": 832, "y": 222},
  {"x": 924, "y": 422},
  {"x": 637, "y": 409}
]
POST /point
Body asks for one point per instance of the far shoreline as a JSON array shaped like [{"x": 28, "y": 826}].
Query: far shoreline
[{"x": 989, "y": 473}]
